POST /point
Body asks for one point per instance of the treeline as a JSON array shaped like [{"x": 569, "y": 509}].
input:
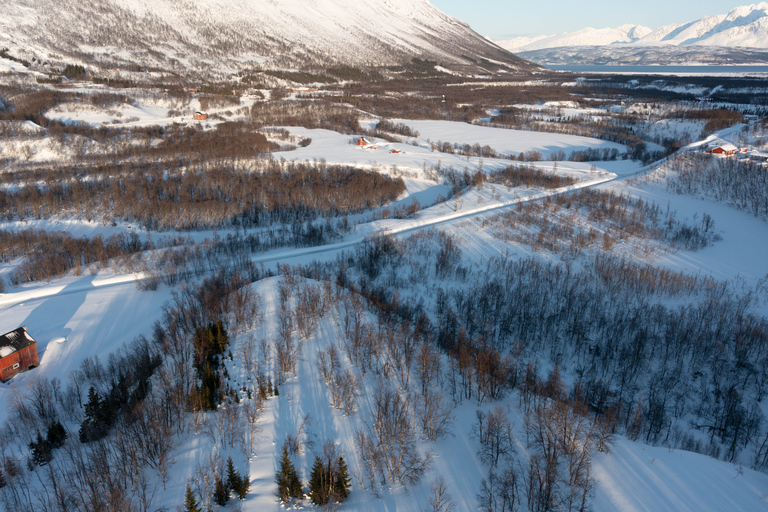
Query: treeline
[
  {"x": 739, "y": 182},
  {"x": 49, "y": 254},
  {"x": 616, "y": 129},
  {"x": 527, "y": 176},
  {"x": 715, "y": 119},
  {"x": 447, "y": 97},
  {"x": 230, "y": 140},
  {"x": 308, "y": 114},
  {"x": 201, "y": 196}
]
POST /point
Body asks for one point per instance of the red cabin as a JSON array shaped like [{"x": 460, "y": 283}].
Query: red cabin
[
  {"x": 725, "y": 149},
  {"x": 18, "y": 353},
  {"x": 200, "y": 116}
]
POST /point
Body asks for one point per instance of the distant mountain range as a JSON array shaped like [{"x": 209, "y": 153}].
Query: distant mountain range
[
  {"x": 733, "y": 38},
  {"x": 236, "y": 34}
]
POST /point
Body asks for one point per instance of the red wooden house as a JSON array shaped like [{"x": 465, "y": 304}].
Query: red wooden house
[
  {"x": 200, "y": 116},
  {"x": 725, "y": 149},
  {"x": 18, "y": 353}
]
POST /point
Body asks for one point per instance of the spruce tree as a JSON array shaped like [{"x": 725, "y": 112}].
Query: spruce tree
[
  {"x": 233, "y": 477},
  {"x": 57, "y": 434},
  {"x": 262, "y": 392},
  {"x": 288, "y": 483},
  {"x": 89, "y": 427},
  {"x": 98, "y": 418},
  {"x": 319, "y": 485},
  {"x": 341, "y": 481},
  {"x": 190, "y": 504},
  {"x": 244, "y": 485},
  {"x": 220, "y": 491},
  {"x": 41, "y": 451}
]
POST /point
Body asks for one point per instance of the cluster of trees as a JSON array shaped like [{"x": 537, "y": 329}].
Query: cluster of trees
[
  {"x": 41, "y": 449},
  {"x": 621, "y": 129},
  {"x": 50, "y": 254},
  {"x": 561, "y": 437},
  {"x": 387, "y": 444},
  {"x": 739, "y": 182},
  {"x": 664, "y": 357},
  {"x": 716, "y": 118},
  {"x": 344, "y": 385},
  {"x": 210, "y": 342},
  {"x": 309, "y": 114},
  {"x": 215, "y": 484},
  {"x": 329, "y": 480},
  {"x": 447, "y": 97},
  {"x": 571, "y": 223},
  {"x": 4, "y": 53},
  {"x": 526, "y": 176},
  {"x": 230, "y": 140},
  {"x": 386, "y": 125},
  {"x": 202, "y": 196},
  {"x": 132, "y": 409}
]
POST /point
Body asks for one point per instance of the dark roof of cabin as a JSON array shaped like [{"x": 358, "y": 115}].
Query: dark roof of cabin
[{"x": 14, "y": 341}]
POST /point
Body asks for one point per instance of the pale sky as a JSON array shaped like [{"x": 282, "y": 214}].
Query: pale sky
[{"x": 505, "y": 19}]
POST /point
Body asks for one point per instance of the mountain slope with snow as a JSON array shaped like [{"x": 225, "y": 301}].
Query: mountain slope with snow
[
  {"x": 585, "y": 37},
  {"x": 269, "y": 33},
  {"x": 741, "y": 28}
]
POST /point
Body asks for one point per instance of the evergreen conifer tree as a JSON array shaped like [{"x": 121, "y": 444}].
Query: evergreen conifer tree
[
  {"x": 288, "y": 483},
  {"x": 319, "y": 485},
  {"x": 242, "y": 490},
  {"x": 341, "y": 481},
  {"x": 220, "y": 491},
  {"x": 190, "y": 504},
  {"x": 262, "y": 392},
  {"x": 41, "y": 451},
  {"x": 57, "y": 434},
  {"x": 233, "y": 477},
  {"x": 93, "y": 426}
]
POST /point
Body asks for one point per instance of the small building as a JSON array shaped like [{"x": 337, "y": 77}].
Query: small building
[
  {"x": 18, "y": 353},
  {"x": 726, "y": 149},
  {"x": 362, "y": 141},
  {"x": 200, "y": 115}
]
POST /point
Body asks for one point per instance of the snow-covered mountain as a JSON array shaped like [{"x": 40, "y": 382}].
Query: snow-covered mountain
[
  {"x": 745, "y": 26},
  {"x": 583, "y": 37},
  {"x": 268, "y": 33},
  {"x": 742, "y": 27}
]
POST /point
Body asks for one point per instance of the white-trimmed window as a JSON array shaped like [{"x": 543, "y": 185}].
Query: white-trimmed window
[{"x": 15, "y": 366}]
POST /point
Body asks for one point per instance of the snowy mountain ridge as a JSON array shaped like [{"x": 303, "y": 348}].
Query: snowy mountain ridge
[
  {"x": 267, "y": 33},
  {"x": 744, "y": 26},
  {"x": 584, "y": 37}
]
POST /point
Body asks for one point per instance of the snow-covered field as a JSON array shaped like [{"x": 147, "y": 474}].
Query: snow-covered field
[{"x": 507, "y": 142}]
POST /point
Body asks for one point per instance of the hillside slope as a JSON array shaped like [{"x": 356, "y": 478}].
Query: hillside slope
[{"x": 267, "y": 33}]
